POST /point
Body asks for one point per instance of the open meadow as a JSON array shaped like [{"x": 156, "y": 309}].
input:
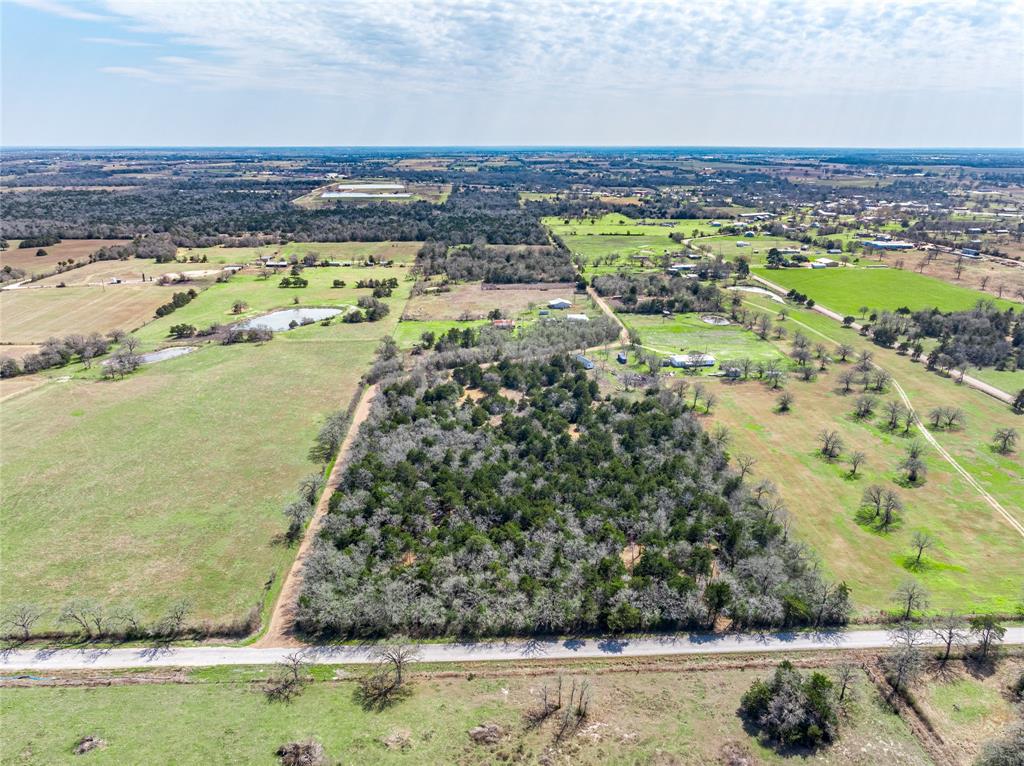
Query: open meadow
[
  {"x": 31, "y": 315},
  {"x": 649, "y": 714},
  {"x": 683, "y": 333},
  {"x": 75, "y": 249},
  {"x": 976, "y": 563},
  {"x": 848, "y": 289},
  {"x": 616, "y": 234},
  {"x": 470, "y": 301},
  {"x": 169, "y": 483},
  {"x": 400, "y": 252}
]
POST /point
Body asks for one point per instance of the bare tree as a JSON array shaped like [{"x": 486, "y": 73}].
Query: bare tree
[
  {"x": 874, "y": 497},
  {"x": 710, "y": 399},
  {"x": 891, "y": 507},
  {"x": 22, "y": 617},
  {"x": 987, "y": 631},
  {"x": 831, "y": 443},
  {"x": 894, "y": 414},
  {"x": 906, "y": 661},
  {"x": 951, "y": 630},
  {"x": 288, "y": 678},
  {"x": 785, "y": 401},
  {"x": 921, "y": 541},
  {"x": 910, "y": 597},
  {"x": 173, "y": 622},
  {"x": 844, "y": 677},
  {"x": 846, "y": 379},
  {"x": 746, "y": 465},
  {"x": 843, "y": 351},
  {"x": 856, "y": 460},
  {"x": 864, "y": 406},
  {"x": 84, "y": 613}
]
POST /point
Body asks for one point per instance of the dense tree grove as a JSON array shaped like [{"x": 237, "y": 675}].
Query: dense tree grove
[
  {"x": 655, "y": 293},
  {"x": 208, "y": 212},
  {"x": 514, "y": 499},
  {"x": 497, "y": 264}
]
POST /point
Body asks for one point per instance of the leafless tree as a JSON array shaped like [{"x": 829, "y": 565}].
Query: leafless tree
[
  {"x": 856, "y": 460},
  {"x": 921, "y": 541},
  {"x": 831, "y": 443},
  {"x": 951, "y": 630},
  {"x": 785, "y": 401},
  {"x": 844, "y": 677},
  {"x": 874, "y": 497},
  {"x": 906, "y": 661},
  {"x": 745, "y": 464},
  {"x": 846, "y": 379},
  {"x": 894, "y": 414},
  {"x": 173, "y": 622},
  {"x": 710, "y": 399},
  {"x": 843, "y": 351},
  {"x": 22, "y": 617},
  {"x": 910, "y": 597},
  {"x": 85, "y": 613},
  {"x": 891, "y": 507},
  {"x": 864, "y": 406},
  {"x": 288, "y": 678}
]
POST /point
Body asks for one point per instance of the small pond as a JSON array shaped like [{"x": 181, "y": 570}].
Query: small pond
[
  {"x": 279, "y": 321},
  {"x": 162, "y": 355}
]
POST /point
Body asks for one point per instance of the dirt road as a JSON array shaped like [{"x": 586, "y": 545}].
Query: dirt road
[{"x": 279, "y": 631}]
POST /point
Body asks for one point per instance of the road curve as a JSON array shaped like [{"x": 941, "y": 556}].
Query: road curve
[{"x": 517, "y": 650}]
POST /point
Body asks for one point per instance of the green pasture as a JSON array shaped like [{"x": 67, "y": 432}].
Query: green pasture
[
  {"x": 169, "y": 484},
  {"x": 688, "y": 332},
  {"x": 847, "y": 289}
]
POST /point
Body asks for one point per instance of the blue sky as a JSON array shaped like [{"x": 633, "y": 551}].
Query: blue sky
[{"x": 391, "y": 72}]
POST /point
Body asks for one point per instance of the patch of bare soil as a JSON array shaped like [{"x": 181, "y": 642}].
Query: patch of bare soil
[{"x": 89, "y": 743}]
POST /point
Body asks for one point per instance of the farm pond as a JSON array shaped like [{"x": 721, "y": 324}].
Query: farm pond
[{"x": 280, "y": 321}]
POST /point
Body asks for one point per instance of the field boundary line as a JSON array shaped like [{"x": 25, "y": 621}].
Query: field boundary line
[{"x": 282, "y": 618}]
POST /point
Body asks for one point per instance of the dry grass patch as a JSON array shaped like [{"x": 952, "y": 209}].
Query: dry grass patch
[
  {"x": 76, "y": 249},
  {"x": 471, "y": 301},
  {"x": 32, "y": 315}
]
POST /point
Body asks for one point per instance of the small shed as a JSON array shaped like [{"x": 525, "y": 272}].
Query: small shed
[
  {"x": 584, "y": 362},
  {"x": 577, "y": 317},
  {"x": 559, "y": 303}
]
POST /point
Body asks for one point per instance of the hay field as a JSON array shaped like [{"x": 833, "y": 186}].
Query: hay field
[
  {"x": 31, "y": 315},
  {"x": 76, "y": 249}
]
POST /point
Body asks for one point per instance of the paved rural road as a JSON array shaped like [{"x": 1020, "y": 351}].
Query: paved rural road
[{"x": 489, "y": 651}]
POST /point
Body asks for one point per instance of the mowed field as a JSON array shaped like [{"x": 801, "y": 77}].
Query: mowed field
[
  {"x": 978, "y": 562},
  {"x": 616, "y": 234},
  {"x": 641, "y": 716},
  {"x": 169, "y": 484},
  {"x": 75, "y": 249},
  {"x": 688, "y": 332},
  {"x": 31, "y": 315},
  {"x": 846, "y": 290}
]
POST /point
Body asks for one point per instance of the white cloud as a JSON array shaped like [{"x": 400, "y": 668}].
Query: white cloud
[
  {"x": 118, "y": 42},
  {"x": 593, "y": 50},
  {"x": 66, "y": 10}
]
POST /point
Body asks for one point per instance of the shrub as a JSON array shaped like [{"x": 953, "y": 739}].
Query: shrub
[{"x": 791, "y": 709}]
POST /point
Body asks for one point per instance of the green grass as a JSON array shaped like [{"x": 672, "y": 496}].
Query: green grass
[
  {"x": 660, "y": 717},
  {"x": 687, "y": 332},
  {"x": 846, "y": 290},
  {"x": 616, "y": 234},
  {"x": 169, "y": 483},
  {"x": 407, "y": 334},
  {"x": 978, "y": 564},
  {"x": 263, "y": 295}
]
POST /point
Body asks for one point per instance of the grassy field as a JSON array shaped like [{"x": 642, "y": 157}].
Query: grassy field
[
  {"x": 407, "y": 334},
  {"x": 966, "y": 707},
  {"x": 75, "y": 249},
  {"x": 169, "y": 483},
  {"x": 133, "y": 270},
  {"x": 32, "y": 315},
  {"x": 977, "y": 564},
  {"x": 468, "y": 300},
  {"x": 401, "y": 252},
  {"x": 666, "y": 717},
  {"x": 263, "y": 295},
  {"x": 688, "y": 332},
  {"x": 846, "y": 290},
  {"x": 616, "y": 234}
]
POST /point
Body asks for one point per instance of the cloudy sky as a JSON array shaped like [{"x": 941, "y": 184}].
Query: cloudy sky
[{"x": 521, "y": 72}]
